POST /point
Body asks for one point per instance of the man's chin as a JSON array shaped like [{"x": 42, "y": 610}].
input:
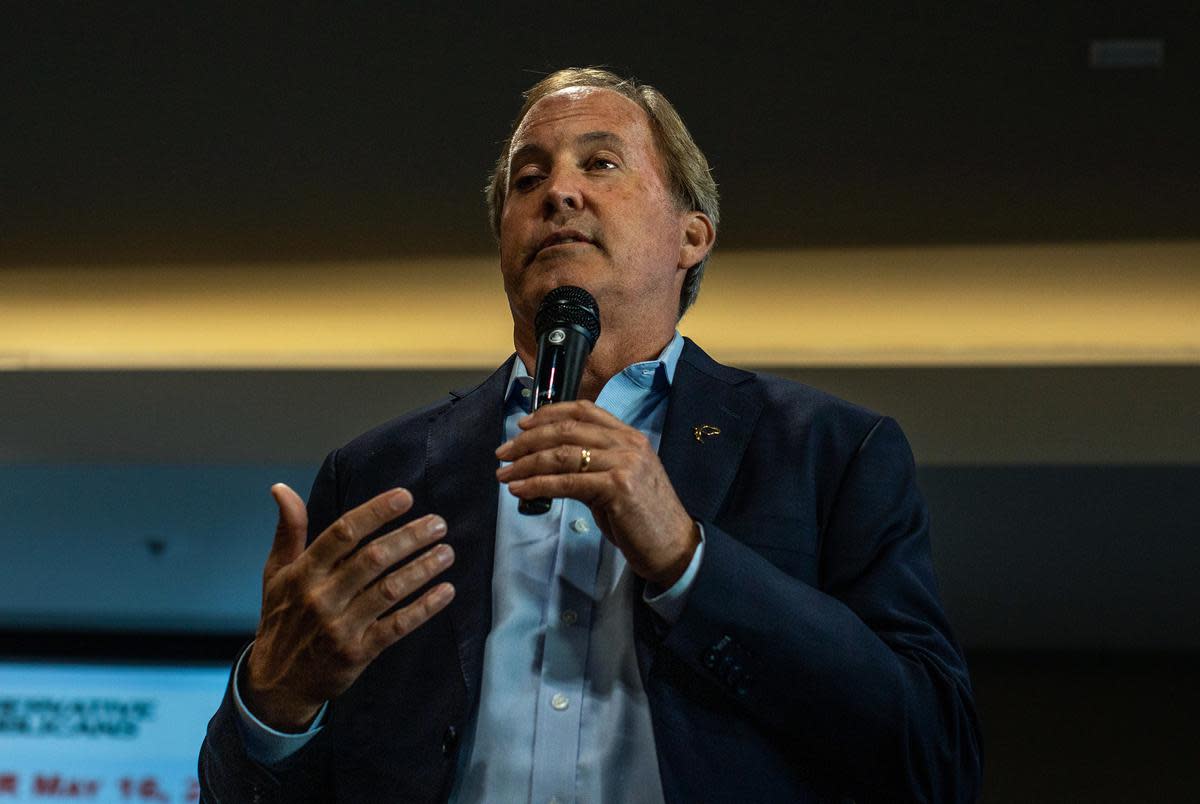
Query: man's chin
[{"x": 544, "y": 276}]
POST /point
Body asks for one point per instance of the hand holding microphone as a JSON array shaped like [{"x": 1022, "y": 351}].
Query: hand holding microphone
[
  {"x": 575, "y": 449},
  {"x": 567, "y": 327}
]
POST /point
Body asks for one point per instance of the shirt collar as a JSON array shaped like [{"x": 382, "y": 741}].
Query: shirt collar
[{"x": 653, "y": 375}]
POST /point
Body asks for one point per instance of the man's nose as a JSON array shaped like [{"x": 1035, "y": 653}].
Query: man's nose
[{"x": 562, "y": 195}]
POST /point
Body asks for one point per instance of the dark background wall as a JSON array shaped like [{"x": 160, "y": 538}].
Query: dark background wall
[
  {"x": 202, "y": 130},
  {"x": 1065, "y": 499}
]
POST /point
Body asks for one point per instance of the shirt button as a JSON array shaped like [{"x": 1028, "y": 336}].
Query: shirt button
[
  {"x": 559, "y": 701},
  {"x": 580, "y": 525},
  {"x": 569, "y": 617},
  {"x": 525, "y": 392}
]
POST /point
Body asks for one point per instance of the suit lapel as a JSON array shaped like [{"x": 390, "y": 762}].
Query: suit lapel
[
  {"x": 460, "y": 466},
  {"x": 704, "y": 394}
]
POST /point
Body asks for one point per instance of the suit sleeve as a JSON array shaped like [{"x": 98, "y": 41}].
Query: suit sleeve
[
  {"x": 860, "y": 676},
  {"x": 226, "y": 772}
]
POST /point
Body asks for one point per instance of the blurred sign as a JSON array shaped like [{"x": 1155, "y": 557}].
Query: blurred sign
[
  {"x": 1125, "y": 54},
  {"x": 103, "y": 733}
]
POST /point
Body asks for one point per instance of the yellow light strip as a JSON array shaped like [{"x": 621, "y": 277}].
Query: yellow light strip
[{"x": 978, "y": 305}]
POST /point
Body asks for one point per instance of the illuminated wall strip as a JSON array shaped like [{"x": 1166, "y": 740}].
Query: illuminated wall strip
[{"x": 1029, "y": 304}]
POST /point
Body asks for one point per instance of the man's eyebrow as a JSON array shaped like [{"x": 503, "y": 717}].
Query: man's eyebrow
[
  {"x": 531, "y": 150},
  {"x": 525, "y": 152},
  {"x": 601, "y": 137}
]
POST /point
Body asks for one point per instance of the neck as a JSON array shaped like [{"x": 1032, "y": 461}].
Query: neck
[{"x": 614, "y": 351}]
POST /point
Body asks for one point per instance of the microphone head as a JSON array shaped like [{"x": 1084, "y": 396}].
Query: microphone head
[{"x": 567, "y": 305}]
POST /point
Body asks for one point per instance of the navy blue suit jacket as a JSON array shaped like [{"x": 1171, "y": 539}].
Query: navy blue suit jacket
[{"x": 812, "y": 661}]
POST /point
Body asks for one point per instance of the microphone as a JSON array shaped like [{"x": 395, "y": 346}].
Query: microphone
[{"x": 567, "y": 325}]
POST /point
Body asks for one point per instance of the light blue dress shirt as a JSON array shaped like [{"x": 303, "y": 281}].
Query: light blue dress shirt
[{"x": 562, "y": 715}]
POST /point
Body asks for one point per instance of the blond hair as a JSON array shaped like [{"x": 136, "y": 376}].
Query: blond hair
[{"x": 687, "y": 172}]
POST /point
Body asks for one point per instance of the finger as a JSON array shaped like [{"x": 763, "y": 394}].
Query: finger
[
  {"x": 585, "y": 487},
  {"x": 556, "y": 460},
  {"x": 351, "y": 527},
  {"x": 582, "y": 409},
  {"x": 399, "y": 624},
  {"x": 374, "y": 559},
  {"x": 396, "y": 586},
  {"x": 552, "y": 434},
  {"x": 291, "y": 529}
]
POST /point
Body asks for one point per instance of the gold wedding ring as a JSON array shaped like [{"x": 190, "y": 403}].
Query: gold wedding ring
[{"x": 585, "y": 459}]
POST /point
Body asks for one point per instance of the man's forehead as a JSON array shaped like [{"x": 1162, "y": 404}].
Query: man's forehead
[{"x": 574, "y": 106}]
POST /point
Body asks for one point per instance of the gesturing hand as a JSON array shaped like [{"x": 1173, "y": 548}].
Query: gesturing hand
[
  {"x": 624, "y": 485},
  {"x": 321, "y": 621}
]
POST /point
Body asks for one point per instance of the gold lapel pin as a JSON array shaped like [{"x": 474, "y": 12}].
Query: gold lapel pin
[{"x": 704, "y": 431}]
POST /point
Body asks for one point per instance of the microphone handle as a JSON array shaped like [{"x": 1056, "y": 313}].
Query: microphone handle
[
  {"x": 534, "y": 506},
  {"x": 559, "y": 370}
]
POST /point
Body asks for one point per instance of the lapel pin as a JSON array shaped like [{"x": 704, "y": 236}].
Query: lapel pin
[{"x": 704, "y": 431}]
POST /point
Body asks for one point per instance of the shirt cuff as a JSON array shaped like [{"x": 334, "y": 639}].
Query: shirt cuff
[
  {"x": 266, "y": 745},
  {"x": 669, "y": 604}
]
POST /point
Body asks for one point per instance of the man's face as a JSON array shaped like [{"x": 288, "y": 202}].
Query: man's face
[{"x": 588, "y": 205}]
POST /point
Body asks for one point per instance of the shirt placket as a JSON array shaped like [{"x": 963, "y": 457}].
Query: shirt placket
[
  {"x": 564, "y": 659},
  {"x": 570, "y": 610}
]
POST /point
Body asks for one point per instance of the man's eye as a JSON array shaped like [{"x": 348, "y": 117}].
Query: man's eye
[
  {"x": 602, "y": 163},
  {"x": 526, "y": 181}
]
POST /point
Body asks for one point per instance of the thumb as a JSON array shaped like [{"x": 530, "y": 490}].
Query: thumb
[{"x": 291, "y": 531}]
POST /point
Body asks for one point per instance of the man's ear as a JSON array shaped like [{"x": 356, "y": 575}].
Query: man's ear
[{"x": 698, "y": 238}]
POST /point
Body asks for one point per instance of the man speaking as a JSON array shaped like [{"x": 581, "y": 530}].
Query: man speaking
[{"x": 730, "y": 598}]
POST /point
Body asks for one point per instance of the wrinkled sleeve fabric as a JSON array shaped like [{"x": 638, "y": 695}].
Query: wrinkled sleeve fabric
[
  {"x": 265, "y": 745},
  {"x": 669, "y": 604},
  {"x": 859, "y": 674},
  {"x": 228, "y": 769}
]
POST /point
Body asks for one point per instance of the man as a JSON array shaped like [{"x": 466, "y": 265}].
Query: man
[{"x": 731, "y": 600}]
